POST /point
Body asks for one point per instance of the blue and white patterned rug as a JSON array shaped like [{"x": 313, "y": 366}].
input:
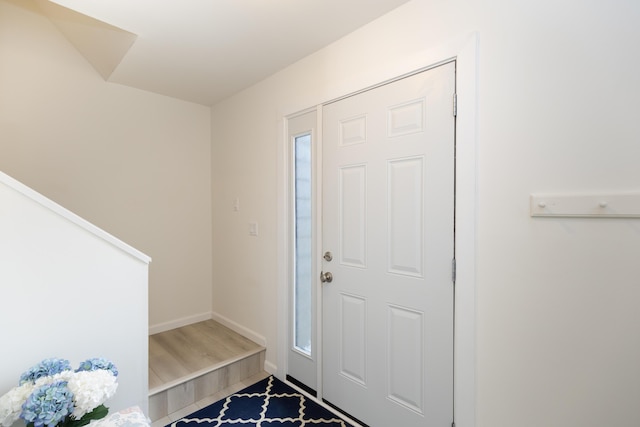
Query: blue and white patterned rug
[{"x": 268, "y": 403}]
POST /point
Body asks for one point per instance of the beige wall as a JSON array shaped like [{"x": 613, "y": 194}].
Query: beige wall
[
  {"x": 557, "y": 341},
  {"x": 134, "y": 163}
]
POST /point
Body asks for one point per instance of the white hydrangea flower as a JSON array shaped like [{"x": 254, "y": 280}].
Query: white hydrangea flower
[
  {"x": 62, "y": 376},
  {"x": 91, "y": 389},
  {"x": 11, "y": 403}
]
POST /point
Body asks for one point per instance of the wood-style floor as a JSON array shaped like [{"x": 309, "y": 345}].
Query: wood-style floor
[
  {"x": 195, "y": 365},
  {"x": 184, "y": 353}
]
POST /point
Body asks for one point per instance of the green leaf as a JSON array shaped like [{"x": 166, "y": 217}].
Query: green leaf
[{"x": 99, "y": 412}]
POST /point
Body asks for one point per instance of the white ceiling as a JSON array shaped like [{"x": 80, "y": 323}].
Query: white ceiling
[{"x": 206, "y": 50}]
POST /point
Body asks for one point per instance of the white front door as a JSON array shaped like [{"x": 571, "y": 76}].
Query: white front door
[{"x": 388, "y": 221}]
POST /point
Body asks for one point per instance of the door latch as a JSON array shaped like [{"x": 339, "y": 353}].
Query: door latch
[{"x": 326, "y": 277}]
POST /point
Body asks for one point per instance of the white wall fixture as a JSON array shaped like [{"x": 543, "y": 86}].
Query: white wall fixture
[
  {"x": 611, "y": 205},
  {"x": 253, "y": 229}
]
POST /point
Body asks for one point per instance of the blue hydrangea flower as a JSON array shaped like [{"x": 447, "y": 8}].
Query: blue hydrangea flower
[
  {"x": 46, "y": 368},
  {"x": 48, "y": 405},
  {"x": 98, "y": 363}
]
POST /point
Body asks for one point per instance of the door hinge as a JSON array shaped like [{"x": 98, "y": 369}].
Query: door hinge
[
  {"x": 453, "y": 270},
  {"x": 455, "y": 105}
]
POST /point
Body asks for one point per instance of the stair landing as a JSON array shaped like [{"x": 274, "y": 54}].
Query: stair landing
[{"x": 195, "y": 365}]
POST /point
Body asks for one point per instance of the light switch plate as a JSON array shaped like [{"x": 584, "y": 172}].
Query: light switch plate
[{"x": 253, "y": 229}]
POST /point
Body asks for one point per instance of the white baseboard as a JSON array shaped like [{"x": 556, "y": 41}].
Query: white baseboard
[
  {"x": 167, "y": 326},
  {"x": 270, "y": 367},
  {"x": 236, "y": 327}
]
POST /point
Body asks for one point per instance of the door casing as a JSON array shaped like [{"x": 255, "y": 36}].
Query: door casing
[{"x": 465, "y": 52}]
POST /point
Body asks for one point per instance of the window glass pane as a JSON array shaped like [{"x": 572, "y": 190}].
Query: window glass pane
[{"x": 303, "y": 280}]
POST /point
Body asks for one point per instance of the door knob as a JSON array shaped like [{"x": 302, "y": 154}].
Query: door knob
[{"x": 326, "y": 277}]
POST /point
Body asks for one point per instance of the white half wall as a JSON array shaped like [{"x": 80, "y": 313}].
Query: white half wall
[{"x": 69, "y": 290}]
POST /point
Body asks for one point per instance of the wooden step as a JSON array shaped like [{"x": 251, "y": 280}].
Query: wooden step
[{"x": 191, "y": 364}]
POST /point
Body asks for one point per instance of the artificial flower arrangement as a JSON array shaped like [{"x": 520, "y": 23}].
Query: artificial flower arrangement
[{"x": 52, "y": 394}]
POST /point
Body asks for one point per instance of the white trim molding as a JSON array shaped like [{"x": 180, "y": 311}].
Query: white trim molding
[
  {"x": 466, "y": 219},
  {"x": 464, "y": 50},
  {"x": 242, "y": 330},
  {"x": 210, "y": 315},
  {"x": 270, "y": 367},
  {"x": 178, "y": 323}
]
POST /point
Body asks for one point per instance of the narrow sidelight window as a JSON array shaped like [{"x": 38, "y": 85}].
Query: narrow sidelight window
[{"x": 303, "y": 245}]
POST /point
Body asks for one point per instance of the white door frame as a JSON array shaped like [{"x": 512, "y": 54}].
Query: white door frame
[{"x": 465, "y": 52}]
